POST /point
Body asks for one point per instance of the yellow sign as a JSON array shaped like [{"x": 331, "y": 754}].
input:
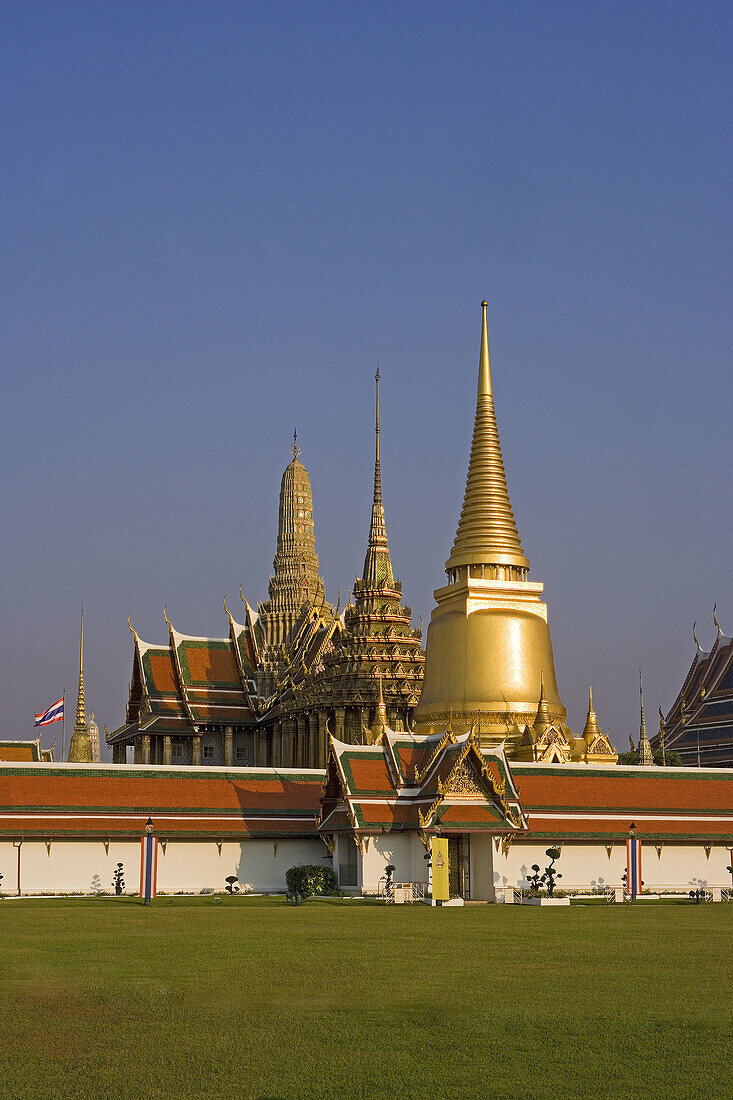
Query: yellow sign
[{"x": 439, "y": 853}]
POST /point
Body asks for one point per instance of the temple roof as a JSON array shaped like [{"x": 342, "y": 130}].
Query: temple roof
[
  {"x": 114, "y": 801},
  {"x": 700, "y": 720},
  {"x": 425, "y": 783},
  {"x": 578, "y": 801},
  {"x": 25, "y": 751}
]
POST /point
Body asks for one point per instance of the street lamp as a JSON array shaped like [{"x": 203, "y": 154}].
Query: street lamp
[{"x": 149, "y": 826}]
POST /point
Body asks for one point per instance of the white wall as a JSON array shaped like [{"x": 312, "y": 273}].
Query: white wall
[
  {"x": 585, "y": 865},
  {"x": 192, "y": 865},
  {"x": 399, "y": 849},
  {"x": 83, "y": 866}
]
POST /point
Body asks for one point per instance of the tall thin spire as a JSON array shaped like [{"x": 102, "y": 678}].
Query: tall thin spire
[
  {"x": 80, "y": 746},
  {"x": 591, "y": 728},
  {"x": 81, "y": 715},
  {"x": 377, "y": 563},
  {"x": 487, "y": 531},
  {"x": 644, "y": 750}
]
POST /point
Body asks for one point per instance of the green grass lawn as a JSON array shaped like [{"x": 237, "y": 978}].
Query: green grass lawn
[{"x": 254, "y": 998}]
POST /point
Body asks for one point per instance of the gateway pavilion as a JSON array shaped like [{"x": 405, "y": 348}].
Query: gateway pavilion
[{"x": 302, "y": 737}]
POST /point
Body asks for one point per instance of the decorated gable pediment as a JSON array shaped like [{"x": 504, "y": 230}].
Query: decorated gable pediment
[
  {"x": 464, "y": 782},
  {"x": 553, "y": 746},
  {"x": 601, "y": 747}
]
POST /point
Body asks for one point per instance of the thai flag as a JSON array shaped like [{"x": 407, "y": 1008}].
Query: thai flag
[{"x": 55, "y": 713}]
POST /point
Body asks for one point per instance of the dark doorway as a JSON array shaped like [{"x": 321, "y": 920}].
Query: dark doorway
[{"x": 459, "y": 865}]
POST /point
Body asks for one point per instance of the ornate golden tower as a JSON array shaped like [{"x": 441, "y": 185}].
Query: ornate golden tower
[
  {"x": 488, "y": 646},
  {"x": 295, "y": 587},
  {"x": 373, "y": 669},
  {"x": 80, "y": 746}
]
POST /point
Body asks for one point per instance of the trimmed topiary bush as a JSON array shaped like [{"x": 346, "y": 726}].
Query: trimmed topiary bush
[{"x": 309, "y": 880}]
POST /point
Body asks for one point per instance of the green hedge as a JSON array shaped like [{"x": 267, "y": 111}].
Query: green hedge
[{"x": 308, "y": 880}]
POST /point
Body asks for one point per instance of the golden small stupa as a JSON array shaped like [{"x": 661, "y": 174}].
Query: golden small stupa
[{"x": 489, "y": 653}]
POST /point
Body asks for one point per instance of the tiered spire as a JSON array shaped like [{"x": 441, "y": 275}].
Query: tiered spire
[
  {"x": 543, "y": 719},
  {"x": 591, "y": 729},
  {"x": 80, "y": 747},
  {"x": 644, "y": 750},
  {"x": 81, "y": 715},
  {"x": 296, "y": 580},
  {"x": 487, "y": 531},
  {"x": 377, "y": 563}
]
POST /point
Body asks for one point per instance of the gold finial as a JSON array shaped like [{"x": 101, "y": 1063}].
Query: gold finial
[
  {"x": 226, "y": 608},
  {"x": 487, "y": 531},
  {"x": 542, "y": 719},
  {"x": 694, "y": 636},
  {"x": 295, "y": 449},
  {"x": 484, "y": 369},
  {"x": 715, "y": 618},
  {"x": 81, "y": 643},
  {"x": 338, "y": 602},
  {"x": 166, "y": 617},
  {"x": 132, "y": 628},
  {"x": 591, "y": 728}
]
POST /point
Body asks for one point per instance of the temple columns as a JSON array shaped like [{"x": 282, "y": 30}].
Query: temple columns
[
  {"x": 312, "y": 740},
  {"x": 262, "y": 753},
  {"x": 320, "y": 761},
  {"x": 145, "y": 749},
  {"x": 287, "y": 743},
  {"x": 228, "y": 746},
  {"x": 119, "y": 754},
  {"x": 362, "y": 719},
  {"x": 300, "y": 742},
  {"x": 277, "y": 744},
  {"x": 167, "y": 749},
  {"x": 196, "y": 750},
  {"x": 340, "y": 723}
]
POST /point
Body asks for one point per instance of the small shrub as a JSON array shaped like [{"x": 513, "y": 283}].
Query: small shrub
[
  {"x": 309, "y": 880},
  {"x": 118, "y": 879}
]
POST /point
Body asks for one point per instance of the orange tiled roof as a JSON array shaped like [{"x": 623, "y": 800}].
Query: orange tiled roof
[{"x": 187, "y": 799}]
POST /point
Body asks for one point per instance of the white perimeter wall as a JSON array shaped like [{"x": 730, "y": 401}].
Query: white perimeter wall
[
  {"x": 83, "y": 866},
  {"x": 585, "y": 865}
]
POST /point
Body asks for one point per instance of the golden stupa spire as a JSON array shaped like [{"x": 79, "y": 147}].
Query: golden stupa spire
[
  {"x": 80, "y": 746},
  {"x": 81, "y": 714},
  {"x": 591, "y": 728},
  {"x": 543, "y": 719},
  {"x": 377, "y": 563},
  {"x": 487, "y": 531}
]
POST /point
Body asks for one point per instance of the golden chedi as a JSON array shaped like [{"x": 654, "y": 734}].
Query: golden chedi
[{"x": 488, "y": 645}]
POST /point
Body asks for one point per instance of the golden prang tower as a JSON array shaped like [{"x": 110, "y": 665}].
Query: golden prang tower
[{"x": 489, "y": 654}]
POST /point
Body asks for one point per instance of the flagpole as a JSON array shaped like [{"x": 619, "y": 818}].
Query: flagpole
[{"x": 63, "y": 725}]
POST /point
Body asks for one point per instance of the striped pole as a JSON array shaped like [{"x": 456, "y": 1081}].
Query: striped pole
[
  {"x": 633, "y": 864},
  {"x": 148, "y": 863}
]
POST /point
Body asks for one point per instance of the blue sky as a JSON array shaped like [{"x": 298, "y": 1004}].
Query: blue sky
[{"x": 216, "y": 218}]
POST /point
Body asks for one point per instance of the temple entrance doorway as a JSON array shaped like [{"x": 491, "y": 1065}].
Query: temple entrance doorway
[{"x": 459, "y": 865}]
